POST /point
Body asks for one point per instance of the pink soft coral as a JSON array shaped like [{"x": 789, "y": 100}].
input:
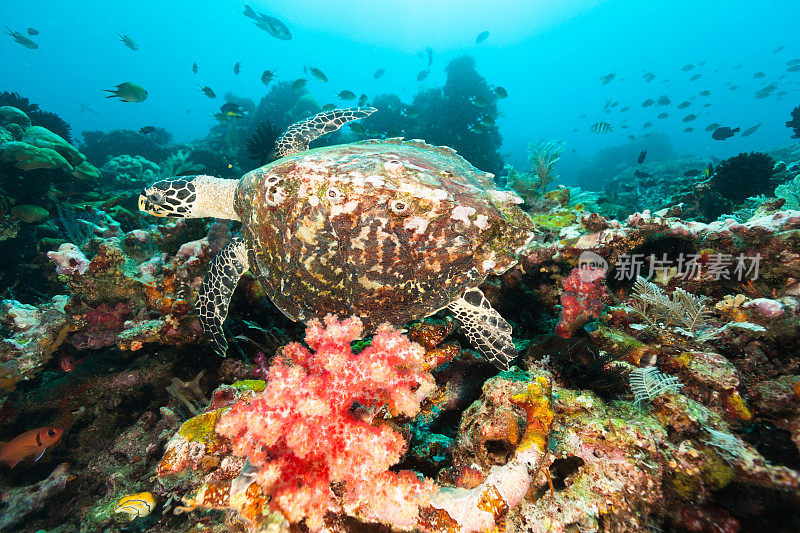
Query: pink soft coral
[{"x": 320, "y": 421}]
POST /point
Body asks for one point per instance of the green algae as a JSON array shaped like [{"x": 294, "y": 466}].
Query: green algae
[
  {"x": 556, "y": 220},
  {"x": 255, "y": 385}
]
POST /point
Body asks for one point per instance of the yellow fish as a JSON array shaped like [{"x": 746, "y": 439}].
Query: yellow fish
[{"x": 136, "y": 505}]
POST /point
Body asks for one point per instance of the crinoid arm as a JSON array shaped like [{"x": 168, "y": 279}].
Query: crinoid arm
[
  {"x": 217, "y": 289},
  {"x": 486, "y": 329},
  {"x": 297, "y": 136}
]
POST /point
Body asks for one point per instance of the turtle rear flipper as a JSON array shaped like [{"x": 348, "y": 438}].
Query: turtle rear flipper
[
  {"x": 297, "y": 136},
  {"x": 486, "y": 329},
  {"x": 216, "y": 291}
]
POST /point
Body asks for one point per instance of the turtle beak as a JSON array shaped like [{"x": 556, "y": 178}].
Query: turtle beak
[{"x": 149, "y": 207}]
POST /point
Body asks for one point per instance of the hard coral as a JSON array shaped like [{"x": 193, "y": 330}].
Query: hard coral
[{"x": 319, "y": 422}]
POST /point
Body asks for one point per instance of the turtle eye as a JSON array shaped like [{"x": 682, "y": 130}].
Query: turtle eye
[
  {"x": 156, "y": 197},
  {"x": 398, "y": 207},
  {"x": 334, "y": 195},
  {"x": 51, "y": 432}
]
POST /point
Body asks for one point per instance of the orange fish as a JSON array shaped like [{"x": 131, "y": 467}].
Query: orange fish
[{"x": 30, "y": 443}]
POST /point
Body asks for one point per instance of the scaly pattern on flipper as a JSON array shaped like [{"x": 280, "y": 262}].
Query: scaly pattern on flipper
[
  {"x": 486, "y": 329},
  {"x": 297, "y": 136},
  {"x": 216, "y": 291}
]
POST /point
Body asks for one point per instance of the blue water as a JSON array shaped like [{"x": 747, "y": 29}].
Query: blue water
[{"x": 550, "y": 57}]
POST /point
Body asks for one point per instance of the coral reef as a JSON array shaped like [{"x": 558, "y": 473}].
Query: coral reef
[
  {"x": 99, "y": 146},
  {"x": 129, "y": 172},
  {"x": 38, "y": 116}
]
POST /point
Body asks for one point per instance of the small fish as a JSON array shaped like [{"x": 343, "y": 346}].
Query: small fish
[
  {"x": 779, "y": 49},
  {"x": 791, "y": 62},
  {"x": 720, "y": 134},
  {"x": 500, "y": 92},
  {"x": 641, "y": 157},
  {"x": 482, "y": 36},
  {"x": 67, "y": 363},
  {"x": 479, "y": 101},
  {"x": 733, "y": 87},
  {"x": 208, "y": 92},
  {"x": 378, "y": 73},
  {"x": 22, "y": 39},
  {"x": 709, "y": 171},
  {"x": 194, "y": 68},
  {"x": 648, "y": 76},
  {"x": 147, "y": 130},
  {"x": 318, "y": 74},
  {"x": 696, "y": 77},
  {"x": 128, "y": 41},
  {"x": 410, "y": 112},
  {"x": 329, "y": 107},
  {"x": 236, "y": 68},
  {"x": 663, "y": 100},
  {"x": 705, "y": 93},
  {"x": 476, "y": 128},
  {"x": 362, "y": 100},
  {"x": 423, "y": 74},
  {"x": 662, "y": 115},
  {"x": 687, "y": 68},
  {"x": 31, "y": 443},
  {"x": 648, "y": 102},
  {"x": 232, "y": 110},
  {"x": 751, "y": 130},
  {"x": 429, "y": 53},
  {"x": 267, "y": 77},
  {"x": 299, "y": 84},
  {"x": 357, "y": 128},
  {"x": 688, "y": 130},
  {"x": 690, "y": 117},
  {"x": 32, "y": 31},
  {"x": 624, "y": 109},
  {"x": 793, "y": 68},
  {"x": 712, "y": 126},
  {"x": 346, "y": 95},
  {"x": 128, "y": 92},
  {"x": 708, "y": 104},
  {"x": 684, "y": 104},
  {"x": 271, "y": 25},
  {"x": 758, "y": 75},
  {"x": 486, "y": 121},
  {"x": 647, "y": 125},
  {"x": 605, "y": 80},
  {"x": 136, "y": 505},
  {"x": 601, "y": 127}
]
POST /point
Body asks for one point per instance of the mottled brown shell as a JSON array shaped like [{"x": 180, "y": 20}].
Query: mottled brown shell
[{"x": 389, "y": 230}]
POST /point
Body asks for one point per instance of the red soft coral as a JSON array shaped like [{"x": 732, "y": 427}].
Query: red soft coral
[
  {"x": 582, "y": 300},
  {"x": 319, "y": 421}
]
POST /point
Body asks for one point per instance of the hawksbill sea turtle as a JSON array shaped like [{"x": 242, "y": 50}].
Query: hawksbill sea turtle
[{"x": 388, "y": 230}]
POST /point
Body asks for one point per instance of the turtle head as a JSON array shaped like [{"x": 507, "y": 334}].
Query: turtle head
[
  {"x": 169, "y": 198},
  {"x": 190, "y": 197}
]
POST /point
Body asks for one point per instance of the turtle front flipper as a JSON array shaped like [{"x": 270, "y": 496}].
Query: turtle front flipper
[
  {"x": 297, "y": 136},
  {"x": 485, "y": 328},
  {"x": 216, "y": 291}
]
